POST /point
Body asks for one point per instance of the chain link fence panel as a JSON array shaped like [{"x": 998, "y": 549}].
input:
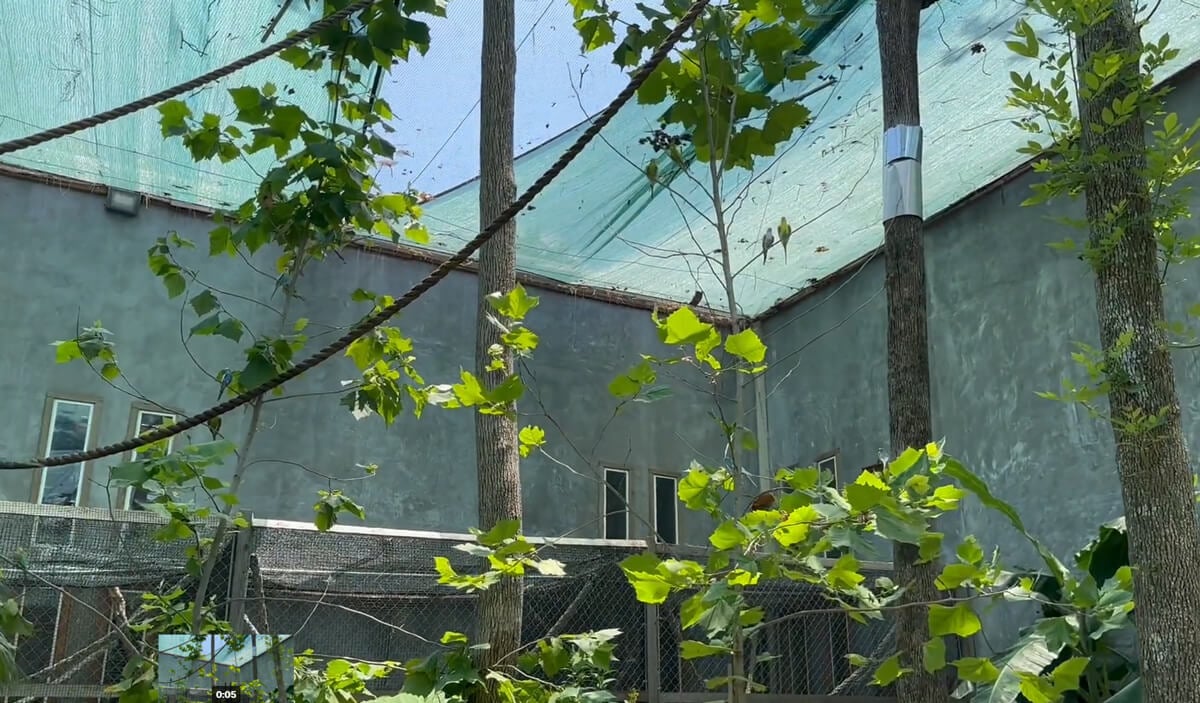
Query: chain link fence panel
[
  {"x": 372, "y": 595},
  {"x": 78, "y": 575}
]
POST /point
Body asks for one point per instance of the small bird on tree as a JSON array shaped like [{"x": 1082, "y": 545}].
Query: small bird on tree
[
  {"x": 785, "y": 233},
  {"x": 697, "y": 297},
  {"x": 767, "y": 241},
  {"x": 763, "y": 501}
]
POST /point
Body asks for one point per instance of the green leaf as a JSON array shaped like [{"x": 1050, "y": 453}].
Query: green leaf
[
  {"x": 899, "y": 527},
  {"x": 976, "y": 670},
  {"x": 970, "y": 551},
  {"x": 691, "y": 649},
  {"x": 693, "y": 610},
  {"x": 946, "y": 497},
  {"x": 727, "y": 535},
  {"x": 955, "y": 575},
  {"x": 531, "y": 438},
  {"x": 641, "y": 570},
  {"x": 503, "y": 530},
  {"x": 905, "y": 462},
  {"x": 67, "y": 351},
  {"x": 173, "y": 117},
  {"x": 746, "y": 346},
  {"x": 957, "y": 620},
  {"x": 975, "y": 485},
  {"x": 889, "y": 671},
  {"x": 1107, "y": 553},
  {"x": 866, "y": 492},
  {"x": 935, "y": 655},
  {"x": 683, "y": 327},
  {"x": 595, "y": 32},
  {"x": 515, "y": 304},
  {"x": 1066, "y": 675},
  {"x": 176, "y": 284},
  {"x": 204, "y": 303}
]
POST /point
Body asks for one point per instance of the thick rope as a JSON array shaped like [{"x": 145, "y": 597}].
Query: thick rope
[
  {"x": 382, "y": 316},
  {"x": 202, "y": 80}
]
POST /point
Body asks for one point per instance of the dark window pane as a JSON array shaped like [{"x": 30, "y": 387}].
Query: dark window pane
[
  {"x": 69, "y": 430},
  {"x": 616, "y": 504},
  {"x": 664, "y": 509},
  {"x": 148, "y": 421}
]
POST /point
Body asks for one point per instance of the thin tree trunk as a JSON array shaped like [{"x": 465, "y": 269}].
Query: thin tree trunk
[
  {"x": 1156, "y": 482},
  {"x": 909, "y": 414},
  {"x": 496, "y": 448}
]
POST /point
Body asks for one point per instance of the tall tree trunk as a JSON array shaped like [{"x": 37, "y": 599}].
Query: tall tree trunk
[
  {"x": 496, "y": 447},
  {"x": 1156, "y": 481},
  {"x": 909, "y": 423}
]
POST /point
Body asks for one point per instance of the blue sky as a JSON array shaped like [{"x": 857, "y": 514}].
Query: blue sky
[{"x": 435, "y": 97}]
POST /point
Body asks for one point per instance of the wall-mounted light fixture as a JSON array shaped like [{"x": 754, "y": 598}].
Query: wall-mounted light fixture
[{"x": 123, "y": 201}]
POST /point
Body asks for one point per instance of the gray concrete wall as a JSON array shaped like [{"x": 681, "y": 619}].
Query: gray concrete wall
[
  {"x": 1004, "y": 314},
  {"x": 71, "y": 261}
]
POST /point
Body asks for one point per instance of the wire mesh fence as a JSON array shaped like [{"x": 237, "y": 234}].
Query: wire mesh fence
[{"x": 366, "y": 594}]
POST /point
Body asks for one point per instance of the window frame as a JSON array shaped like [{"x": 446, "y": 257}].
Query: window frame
[
  {"x": 47, "y": 440},
  {"x": 606, "y": 494},
  {"x": 136, "y": 412},
  {"x": 834, "y": 457},
  {"x": 835, "y": 482},
  {"x": 654, "y": 478}
]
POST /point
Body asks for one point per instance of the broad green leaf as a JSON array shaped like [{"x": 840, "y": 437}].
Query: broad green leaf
[
  {"x": 515, "y": 304},
  {"x": 794, "y": 529},
  {"x": 843, "y": 575},
  {"x": 955, "y": 575},
  {"x": 693, "y": 610},
  {"x": 975, "y": 485},
  {"x": 746, "y": 346},
  {"x": 1066, "y": 675},
  {"x": 970, "y": 551},
  {"x": 641, "y": 570},
  {"x": 946, "y": 497},
  {"x": 903, "y": 463},
  {"x": 691, "y": 649},
  {"x": 889, "y": 671},
  {"x": 957, "y": 620},
  {"x": 65, "y": 352},
  {"x": 1107, "y": 553},
  {"x": 693, "y": 487},
  {"x": 866, "y": 492},
  {"x": 904, "y": 528},
  {"x": 683, "y": 327},
  {"x": 595, "y": 32},
  {"x": 976, "y": 670},
  {"x": 934, "y": 654},
  {"x": 727, "y": 535},
  {"x": 503, "y": 530}
]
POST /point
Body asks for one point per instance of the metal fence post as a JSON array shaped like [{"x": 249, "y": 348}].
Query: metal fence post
[
  {"x": 653, "y": 645},
  {"x": 239, "y": 575}
]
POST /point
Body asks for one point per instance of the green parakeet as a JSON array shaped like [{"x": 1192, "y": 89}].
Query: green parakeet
[{"x": 785, "y": 233}]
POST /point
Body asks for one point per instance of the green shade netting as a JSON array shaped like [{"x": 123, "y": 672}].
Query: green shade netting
[
  {"x": 601, "y": 224},
  {"x": 65, "y": 61}
]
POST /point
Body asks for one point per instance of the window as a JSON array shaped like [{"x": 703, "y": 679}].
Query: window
[
  {"x": 145, "y": 421},
  {"x": 828, "y": 466},
  {"x": 70, "y": 431},
  {"x": 666, "y": 519},
  {"x": 616, "y": 504}
]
